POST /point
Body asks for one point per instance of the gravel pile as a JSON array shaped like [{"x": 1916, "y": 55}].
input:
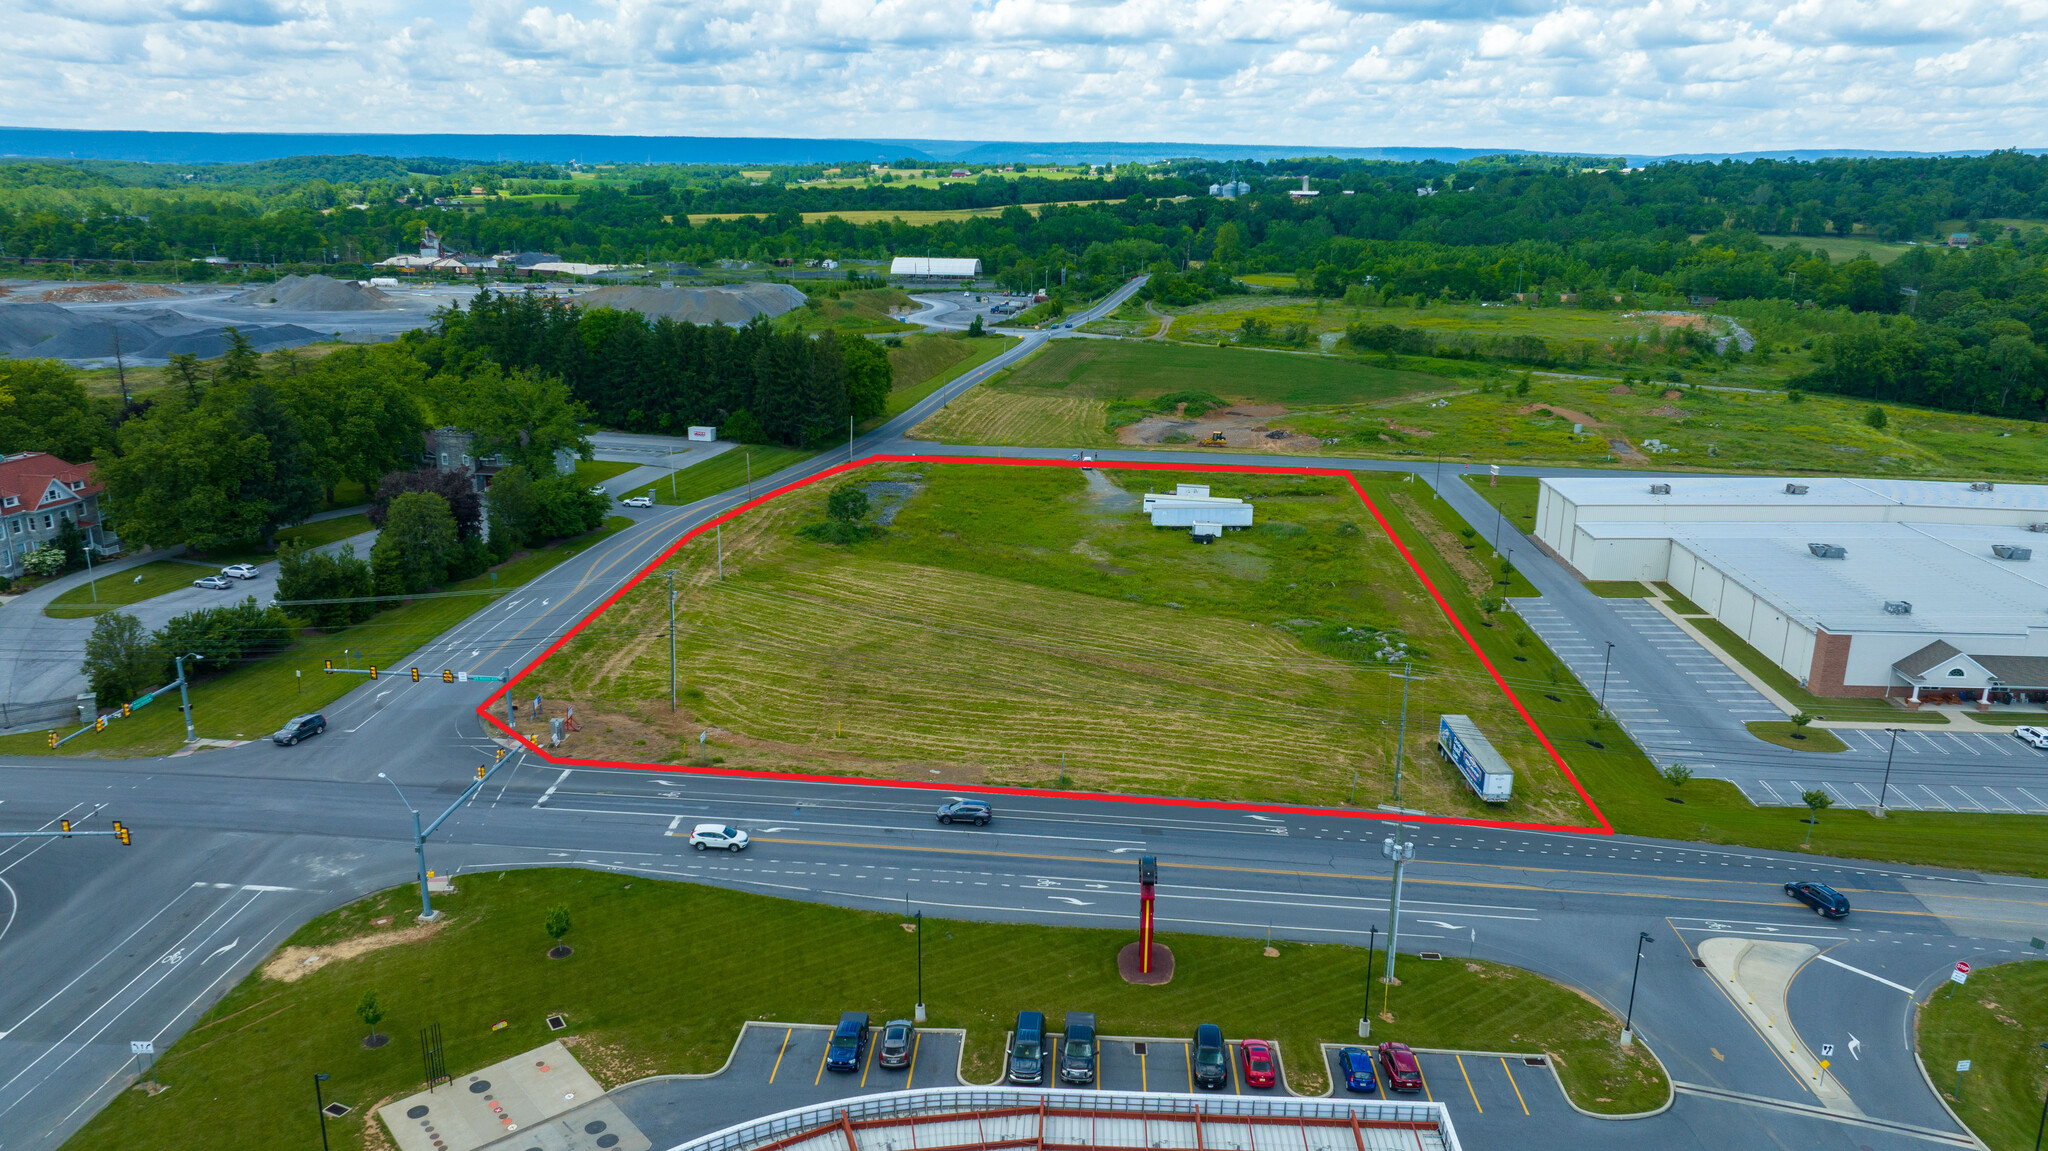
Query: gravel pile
[
  {"x": 48, "y": 331},
  {"x": 108, "y": 293},
  {"x": 315, "y": 293},
  {"x": 735, "y": 304}
]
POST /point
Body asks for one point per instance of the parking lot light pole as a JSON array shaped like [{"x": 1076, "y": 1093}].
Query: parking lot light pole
[
  {"x": 1604, "y": 669},
  {"x": 919, "y": 932},
  {"x": 1884, "y": 788},
  {"x": 1628, "y": 1021},
  {"x": 2043, "y": 1124},
  {"x": 320, "y": 1106},
  {"x": 1372, "y": 943}
]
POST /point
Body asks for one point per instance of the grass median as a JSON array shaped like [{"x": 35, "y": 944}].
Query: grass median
[
  {"x": 650, "y": 990},
  {"x": 1994, "y": 1021},
  {"x": 746, "y": 465},
  {"x": 256, "y": 698}
]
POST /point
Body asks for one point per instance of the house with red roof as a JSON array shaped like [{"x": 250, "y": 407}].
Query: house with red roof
[{"x": 38, "y": 493}]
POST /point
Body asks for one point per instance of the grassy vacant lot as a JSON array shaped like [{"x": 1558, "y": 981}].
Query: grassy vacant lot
[
  {"x": 735, "y": 467},
  {"x": 866, "y": 310},
  {"x": 1015, "y": 619},
  {"x": 257, "y": 697},
  {"x": 1634, "y": 798},
  {"x": 1994, "y": 1021},
  {"x": 1840, "y": 248},
  {"x": 649, "y": 991},
  {"x": 132, "y": 585},
  {"x": 926, "y": 363}
]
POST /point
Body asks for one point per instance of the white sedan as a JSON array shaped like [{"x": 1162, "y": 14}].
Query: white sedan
[
  {"x": 239, "y": 571},
  {"x": 717, "y": 835},
  {"x": 638, "y": 501},
  {"x": 2033, "y": 736}
]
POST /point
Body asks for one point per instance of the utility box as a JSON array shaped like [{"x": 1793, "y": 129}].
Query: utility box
[
  {"x": 702, "y": 435},
  {"x": 1660, "y": 489},
  {"x": 1898, "y": 607},
  {"x": 1795, "y": 489},
  {"x": 1828, "y": 551},
  {"x": 2013, "y": 552},
  {"x": 1485, "y": 772},
  {"x": 1206, "y": 533}
]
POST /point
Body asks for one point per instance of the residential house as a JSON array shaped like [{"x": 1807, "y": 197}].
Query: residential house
[{"x": 38, "y": 493}]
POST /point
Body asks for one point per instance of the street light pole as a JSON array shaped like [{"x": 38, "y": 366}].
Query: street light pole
[
  {"x": 1406, "y": 676},
  {"x": 1885, "y": 788},
  {"x": 1604, "y": 669},
  {"x": 419, "y": 834},
  {"x": 184, "y": 698},
  {"x": 1400, "y": 853},
  {"x": 2043, "y": 1124},
  {"x": 1628, "y": 1020},
  {"x": 671, "y": 639},
  {"x": 1365, "y": 1020},
  {"x": 320, "y": 1106},
  {"x": 919, "y": 932}
]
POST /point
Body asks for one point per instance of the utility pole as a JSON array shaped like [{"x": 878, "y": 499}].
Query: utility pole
[
  {"x": 185, "y": 698},
  {"x": 1604, "y": 668},
  {"x": 720, "y": 531},
  {"x": 1406, "y": 675},
  {"x": 671, "y": 639},
  {"x": 1401, "y": 853},
  {"x": 1886, "y": 786},
  {"x": 1628, "y": 1020}
]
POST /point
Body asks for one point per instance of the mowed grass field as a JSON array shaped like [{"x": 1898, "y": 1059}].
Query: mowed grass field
[
  {"x": 650, "y": 991},
  {"x": 1027, "y": 626},
  {"x": 129, "y": 586},
  {"x": 1994, "y": 1021}
]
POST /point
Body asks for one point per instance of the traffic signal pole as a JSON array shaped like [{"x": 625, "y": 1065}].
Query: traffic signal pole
[{"x": 419, "y": 834}]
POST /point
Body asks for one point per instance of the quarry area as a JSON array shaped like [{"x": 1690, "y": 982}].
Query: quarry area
[{"x": 93, "y": 325}]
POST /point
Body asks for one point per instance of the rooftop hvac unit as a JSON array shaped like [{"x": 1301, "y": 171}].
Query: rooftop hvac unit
[
  {"x": 2012, "y": 552},
  {"x": 2037, "y": 527},
  {"x": 1981, "y": 486},
  {"x": 1795, "y": 489},
  {"x": 1898, "y": 607},
  {"x": 1828, "y": 551},
  {"x": 1660, "y": 489}
]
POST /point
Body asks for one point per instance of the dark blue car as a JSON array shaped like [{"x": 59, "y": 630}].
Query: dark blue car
[
  {"x": 849, "y": 1042},
  {"x": 1356, "y": 1063}
]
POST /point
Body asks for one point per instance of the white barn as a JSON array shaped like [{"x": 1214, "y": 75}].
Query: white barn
[{"x": 935, "y": 267}]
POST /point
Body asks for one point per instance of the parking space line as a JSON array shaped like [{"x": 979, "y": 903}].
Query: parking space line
[
  {"x": 787, "y": 1032},
  {"x": 1188, "y": 1051},
  {"x": 820, "y": 1076},
  {"x": 916, "y": 1037},
  {"x": 1425, "y": 1081},
  {"x": 1518, "y": 1087},
  {"x": 1235, "y": 1089},
  {"x": 1468, "y": 1083},
  {"x": 868, "y": 1063}
]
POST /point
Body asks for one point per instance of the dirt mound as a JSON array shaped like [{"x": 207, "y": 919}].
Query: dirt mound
[
  {"x": 108, "y": 293},
  {"x": 291, "y": 964},
  {"x": 315, "y": 293},
  {"x": 1561, "y": 413},
  {"x": 1671, "y": 412},
  {"x": 735, "y": 304}
]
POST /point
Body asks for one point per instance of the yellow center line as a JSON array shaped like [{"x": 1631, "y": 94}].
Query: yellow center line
[
  {"x": 631, "y": 550},
  {"x": 779, "y": 1054},
  {"x": 1518, "y": 1087},
  {"x": 1468, "y": 1083}
]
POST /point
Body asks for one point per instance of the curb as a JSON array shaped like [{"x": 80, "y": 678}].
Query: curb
[{"x": 1550, "y": 1065}]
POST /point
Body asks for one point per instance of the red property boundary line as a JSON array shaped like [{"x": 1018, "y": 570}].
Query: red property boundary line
[{"x": 485, "y": 710}]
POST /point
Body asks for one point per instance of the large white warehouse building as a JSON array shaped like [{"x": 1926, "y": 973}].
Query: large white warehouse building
[{"x": 1861, "y": 587}]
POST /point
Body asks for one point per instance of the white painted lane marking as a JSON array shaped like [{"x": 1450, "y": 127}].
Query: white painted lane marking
[{"x": 1863, "y": 973}]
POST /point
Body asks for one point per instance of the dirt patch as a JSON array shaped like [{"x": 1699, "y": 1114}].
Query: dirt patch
[
  {"x": 1676, "y": 319},
  {"x": 1408, "y": 431},
  {"x": 1618, "y": 390},
  {"x": 1245, "y": 426},
  {"x": 108, "y": 293},
  {"x": 294, "y": 963},
  {"x": 1475, "y": 578},
  {"x": 1672, "y": 393},
  {"x": 610, "y": 1066},
  {"x": 1671, "y": 412},
  {"x": 1563, "y": 413}
]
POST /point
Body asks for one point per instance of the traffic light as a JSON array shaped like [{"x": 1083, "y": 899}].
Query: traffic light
[
  {"x": 415, "y": 675},
  {"x": 447, "y": 676},
  {"x": 121, "y": 833},
  {"x": 482, "y": 769},
  {"x": 64, "y": 825},
  {"x": 330, "y": 665},
  {"x": 501, "y": 753},
  {"x": 373, "y": 671},
  {"x": 53, "y": 739},
  {"x": 127, "y": 709},
  {"x": 100, "y": 724}
]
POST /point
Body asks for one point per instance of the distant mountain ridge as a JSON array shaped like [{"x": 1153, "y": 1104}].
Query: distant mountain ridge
[{"x": 250, "y": 147}]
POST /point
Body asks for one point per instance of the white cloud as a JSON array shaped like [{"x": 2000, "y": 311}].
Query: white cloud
[{"x": 1598, "y": 75}]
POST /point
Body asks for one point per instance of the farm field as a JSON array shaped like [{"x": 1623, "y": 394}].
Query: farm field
[
  {"x": 926, "y": 363},
  {"x": 914, "y": 217},
  {"x": 649, "y": 991},
  {"x": 1840, "y": 248},
  {"x": 1026, "y": 626}
]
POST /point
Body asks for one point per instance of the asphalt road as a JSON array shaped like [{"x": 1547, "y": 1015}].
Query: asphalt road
[{"x": 104, "y": 945}]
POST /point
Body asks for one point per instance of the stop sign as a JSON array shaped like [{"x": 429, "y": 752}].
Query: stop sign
[{"x": 1963, "y": 965}]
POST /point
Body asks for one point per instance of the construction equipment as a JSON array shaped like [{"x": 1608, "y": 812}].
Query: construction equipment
[{"x": 1215, "y": 440}]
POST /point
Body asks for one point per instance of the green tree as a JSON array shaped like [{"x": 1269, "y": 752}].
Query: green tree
[
  {"x": 371, "y": 1013},
  {"x": 557, "y": 923},
  {"x": 869, "y": 378},
  {"x": 240, "y": 363},
  {"x": 1876, "y": 419},
  {"x": 120, "y": 662},
  {"x": 848, "y": 504},
  {"x": 308, "y": 573},
  {"x": 360, "y": 413},
  {"x": 974, "y": 326},
  {"x": 50, "y": 412},
  {"x": 525, "y": 418},
  {"x": 1676, "y": 775},
  {"x": 70, "y": 542},
  {"x": 232, "y": 469},
  {"x": 287, "y": 485},
  {"x": 412, "y": 552},
  {"x": 1816, "y": 801},
  {"x": 184, "y": 368}
]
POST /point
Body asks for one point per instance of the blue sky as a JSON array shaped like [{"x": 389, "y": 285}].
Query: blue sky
[{"x": 1630, "y": 75}]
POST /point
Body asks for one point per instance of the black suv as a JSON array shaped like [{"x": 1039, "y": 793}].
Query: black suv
[
  {"x": 299, "y": 727},
  {"x": 974, "y": 811},
  {"x": 1211, "y": 1059},
  {"x": 1819, "y": 896},
  {"x": 849, "y": 1042}
]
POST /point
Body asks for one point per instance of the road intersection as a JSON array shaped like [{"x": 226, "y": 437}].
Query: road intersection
[{"x": 105, "y": 945}]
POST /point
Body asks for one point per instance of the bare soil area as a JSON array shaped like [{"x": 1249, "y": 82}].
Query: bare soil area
[
  {"x": 1243, "y": 426},
  {"x": 291, "y": 964}
]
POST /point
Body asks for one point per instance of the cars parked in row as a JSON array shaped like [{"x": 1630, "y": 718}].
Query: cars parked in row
[
  {"x": 1027, "y": 1049},
  {"x": 1823, "y": 899},
  {"x": 1259, "y": 1068},
  {"x": 1210, "y": 1059},
  {"x": 899, "y": 1038},
  {"x": 1077, "y": 1048},
  {"x": 1355, "y": 1064},
  {"x": 213, "y": 583},
  {"x": 2032, "y": 736},
  {"x": 849, "y": 1042},
  {"x": 239, "y": 571}
]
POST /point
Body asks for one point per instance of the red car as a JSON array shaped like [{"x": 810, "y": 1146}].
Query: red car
[
  {"x": 1258, "y": 1063},
  {"x": 1399, "y": 1068}
]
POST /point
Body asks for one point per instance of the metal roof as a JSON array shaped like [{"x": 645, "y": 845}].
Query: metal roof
[
  {"x": 1947, "y": 572},
  {"x": 997, "y": 1119},
  {"x": 1821, "y": 491},
  {"x": 934, "y": 266}
]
